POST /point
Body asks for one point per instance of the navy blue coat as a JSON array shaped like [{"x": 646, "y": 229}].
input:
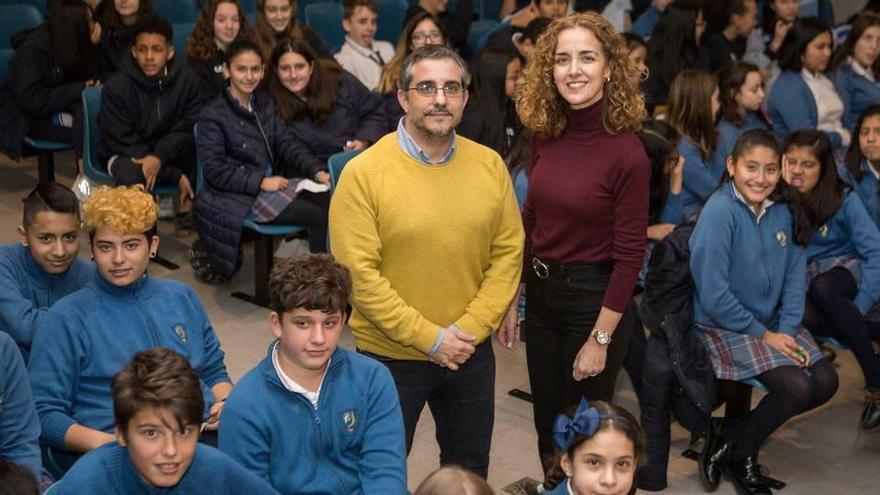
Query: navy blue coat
[
  {"x": 35, "y": 88},
  {"x": 236, "y": 149},
  {"x": 357, "y": 114}
]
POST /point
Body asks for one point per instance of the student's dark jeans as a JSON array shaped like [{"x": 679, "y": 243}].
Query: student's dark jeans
[
  {"x": 128, "y": 173},
  {"x": 462, "y": 403},
  {"x": 561, "y": 311}
]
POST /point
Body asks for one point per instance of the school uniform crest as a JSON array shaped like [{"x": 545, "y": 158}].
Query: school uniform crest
[
  {"x": 823, "y": 230},
  {"x": 180, "y": 331},
  {"x": 781, "y": 238},
  {"x": 350, "y": 420}
]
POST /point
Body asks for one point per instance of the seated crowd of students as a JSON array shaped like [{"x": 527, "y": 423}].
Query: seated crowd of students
[{"x": 766, "y": 134}]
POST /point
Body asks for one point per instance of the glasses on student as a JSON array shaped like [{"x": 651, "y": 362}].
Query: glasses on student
[
  {"x": 432, "y": 36},
  {"x": 429, "y": 90}
]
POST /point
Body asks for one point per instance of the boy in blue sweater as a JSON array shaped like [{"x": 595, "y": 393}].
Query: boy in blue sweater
[
  {"x": 43, "y": 267},
  {"x": 311, "y": 418},
  {"x": 89, "y": 335},
  {"x": 157, "y": 403},
  {"x": 19, "y": 427}
]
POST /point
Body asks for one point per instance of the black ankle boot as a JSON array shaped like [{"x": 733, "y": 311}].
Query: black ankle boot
[
  {"x": 714, "y": 456},
  {"x": 747, "y": 477},
  {"x": 871, "y": 414}
]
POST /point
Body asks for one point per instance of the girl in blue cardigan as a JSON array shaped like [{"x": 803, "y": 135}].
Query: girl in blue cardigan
[
  {"x": 862, "y": 171},
  {"x": 843, "y": 258},
  {"x": 749, "y": 273},
  {"x": 802, "y": 96},
  {"x": 741, "y": 91},
  {"x": 693, "y": 107},
  {"x": 856, "y": 68},
  {"x": 601, "y": 444}
]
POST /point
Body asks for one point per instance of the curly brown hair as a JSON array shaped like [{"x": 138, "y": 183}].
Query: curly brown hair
[
  {"x": 314, "y": 281},
  {"x": 200, "y": 44},
  {"x": 540, "y": 106},
  {"x": 266, "y": 37}
]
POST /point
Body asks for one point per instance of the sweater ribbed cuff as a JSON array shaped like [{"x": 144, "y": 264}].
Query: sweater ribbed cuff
[{"x": 55, "y": 429}]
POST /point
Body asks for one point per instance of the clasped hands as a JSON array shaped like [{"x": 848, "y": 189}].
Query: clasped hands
[{"x": 455, "y": 348}]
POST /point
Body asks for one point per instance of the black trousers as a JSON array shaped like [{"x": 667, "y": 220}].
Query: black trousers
[
  {"x": 462, "y": 403},
  {"x": 128, "y": 173},
  {"x": 561, "y": 311},
  {"x": 830, "y": 312},
  {"x": 309, "y": 209}
]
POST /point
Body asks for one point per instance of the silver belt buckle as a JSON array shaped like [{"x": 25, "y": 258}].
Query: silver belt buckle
[{"x": 541, "y": 270}]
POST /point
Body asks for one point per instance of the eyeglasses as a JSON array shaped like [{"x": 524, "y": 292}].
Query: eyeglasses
[
  {"x": 429, "y": 90},
  {"x": 433, "y": 35}
]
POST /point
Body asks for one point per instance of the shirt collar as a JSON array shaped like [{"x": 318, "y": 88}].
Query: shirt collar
[
  {"x": 361, "y": 49},
  {"x": 764, "y": 206},
  {"x": 866, "y": 165},
  {"x": 412, "y": 149},
  {"x": 810, "y": 76},
  {"x": 858, "y": 69},
  {"x": 290, "y": 384}
]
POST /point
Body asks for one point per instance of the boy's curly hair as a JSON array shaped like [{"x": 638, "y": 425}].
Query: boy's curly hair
[
  {"x": 128, "y": 210},
  {"x": 314, "y": 281}
]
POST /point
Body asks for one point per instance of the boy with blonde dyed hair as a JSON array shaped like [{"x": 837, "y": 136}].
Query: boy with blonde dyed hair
[{"x": 89, "y": 335}]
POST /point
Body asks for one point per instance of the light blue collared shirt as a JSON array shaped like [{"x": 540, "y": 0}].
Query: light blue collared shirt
[{"x": 409, "y": 146}]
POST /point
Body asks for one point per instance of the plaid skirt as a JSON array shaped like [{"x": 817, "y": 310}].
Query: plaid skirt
[{"x": 737, "y": 356}]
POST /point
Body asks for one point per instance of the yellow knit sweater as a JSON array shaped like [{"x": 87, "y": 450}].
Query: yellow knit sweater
[{"x": 427, "y": 246}]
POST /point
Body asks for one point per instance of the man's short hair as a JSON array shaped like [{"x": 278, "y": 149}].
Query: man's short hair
[
  {"x": 50, "y": 196},
  {"x": 127, "y": 210},
  {"x": 431, "y": 52},
  {"x": 154, "y": 24},
  {"x": 157, "y": 378},
  {"x": 349, "y": 6},
  {"x": 313, "y": 281}
]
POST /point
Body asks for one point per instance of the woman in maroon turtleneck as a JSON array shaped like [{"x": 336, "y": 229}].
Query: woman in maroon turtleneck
[{"x": 586, "y": 215}]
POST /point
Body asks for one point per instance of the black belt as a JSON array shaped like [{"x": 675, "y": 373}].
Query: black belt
[{"x": 552, "y": 269}]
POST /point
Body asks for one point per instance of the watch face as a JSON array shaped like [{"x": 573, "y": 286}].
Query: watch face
[{"x": 602, "y": 338}]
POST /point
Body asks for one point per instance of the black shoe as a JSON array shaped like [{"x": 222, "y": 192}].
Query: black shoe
[
  {"x": 747, "y": 477},
  {"x": 714, "y": 456},
  {"x": 871, "y": 414}
]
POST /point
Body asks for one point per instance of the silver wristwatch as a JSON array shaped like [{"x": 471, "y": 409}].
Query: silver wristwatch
[{"x": 603, "y": 338}]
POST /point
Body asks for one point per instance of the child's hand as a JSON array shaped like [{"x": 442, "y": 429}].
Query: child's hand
[
  {"x": 213, "y": 421},
  {"x": 273, "y": 183}
]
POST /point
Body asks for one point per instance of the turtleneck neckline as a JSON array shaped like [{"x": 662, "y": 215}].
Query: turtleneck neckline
[{"x": 585, "y": 120}]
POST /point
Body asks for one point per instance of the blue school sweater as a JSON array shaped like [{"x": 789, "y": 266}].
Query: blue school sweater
[
  {"x": 700, "y": 177},
  {"x": 91, "y": 334},
  {"x": 868, "y": 189},
  {"x": 851, "y": 232},
  {"x": 729, "y": 132},
  {"x": 673, "y": 209},
  {"x": 857, "y": 93},
  {"x": 352, "y": 443},
  {"x": 26, "y": 291},
  {"x": 792, "y": 106},
  {"x": 749, "y": 276},
  {"x": 109, "y": 470},
  {"x": 19, "y": 426}
]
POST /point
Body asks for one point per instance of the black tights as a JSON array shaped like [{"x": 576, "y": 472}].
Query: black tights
[
  {"x": 309, "y": 209},
  {"x": 792, "y": 391},
  {"x": 830, "y": 312}
]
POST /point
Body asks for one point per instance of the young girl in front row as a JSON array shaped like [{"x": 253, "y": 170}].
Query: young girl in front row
[
  {"x": 843, "y": 257},
  {"x": 601, "y": 447},
  {"x": 749, "y": 274}
]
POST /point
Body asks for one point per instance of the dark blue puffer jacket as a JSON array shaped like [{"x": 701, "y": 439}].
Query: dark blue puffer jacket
[{"x": 236, "y": 147}]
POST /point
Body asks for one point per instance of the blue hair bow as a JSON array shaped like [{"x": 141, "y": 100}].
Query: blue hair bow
[{"x": 585, "y": 422}]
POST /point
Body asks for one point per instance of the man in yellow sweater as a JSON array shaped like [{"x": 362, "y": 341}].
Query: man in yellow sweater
[{"x": 428, "y": 224}]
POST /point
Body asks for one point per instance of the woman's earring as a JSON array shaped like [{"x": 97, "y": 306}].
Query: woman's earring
[
  {"x": 606, "y": 79},
  {"x": 152, "y": 254}
]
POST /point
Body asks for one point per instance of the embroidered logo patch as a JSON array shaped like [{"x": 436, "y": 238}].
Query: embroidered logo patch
[
  {"x": 349, "y": 419},
  {"x": 823, "y": 230},
  {"x": 181, "y": 332},
  {"x": 780, "y": 236}
]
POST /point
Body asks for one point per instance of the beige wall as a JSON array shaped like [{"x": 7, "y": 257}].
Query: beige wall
[{"x": 845, "y": 8}]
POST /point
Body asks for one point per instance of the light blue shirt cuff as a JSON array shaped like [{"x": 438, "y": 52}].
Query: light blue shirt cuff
[{"x": 437, "y": 342}]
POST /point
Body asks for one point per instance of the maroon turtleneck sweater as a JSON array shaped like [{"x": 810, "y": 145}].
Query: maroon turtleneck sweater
[{"x": 588, "y": 200}]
